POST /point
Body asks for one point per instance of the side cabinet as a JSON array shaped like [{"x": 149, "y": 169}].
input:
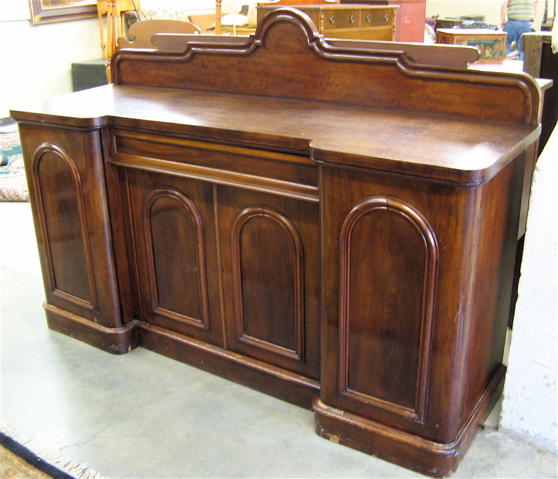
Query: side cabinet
[
  {"x": 77, "y": 247},
  {"x": 410, "y": 356}
]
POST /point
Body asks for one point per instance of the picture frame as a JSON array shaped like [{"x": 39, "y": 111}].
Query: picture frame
[{"x": 51, "y": 11}]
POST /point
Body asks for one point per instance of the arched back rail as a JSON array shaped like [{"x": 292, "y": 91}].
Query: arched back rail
[{"x": 287, "y": 58}]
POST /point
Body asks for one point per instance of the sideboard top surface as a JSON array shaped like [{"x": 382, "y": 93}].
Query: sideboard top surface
[
  {"x": 288, "y": 89},
  {"x": 447, "y": 148}
]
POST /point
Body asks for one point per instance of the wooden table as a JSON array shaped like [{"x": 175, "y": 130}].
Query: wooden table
[{"x": 325, "y": 222}]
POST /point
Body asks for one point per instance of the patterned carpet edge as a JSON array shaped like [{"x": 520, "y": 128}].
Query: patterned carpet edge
[
  {"x": 21, "y": 457},
  {"x": 13, "y": 181}
]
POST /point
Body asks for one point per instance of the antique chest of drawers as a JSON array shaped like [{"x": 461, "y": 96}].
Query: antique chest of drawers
[
  {"x": 410, "y": 17},
  {"x": 359, "y": 22}
]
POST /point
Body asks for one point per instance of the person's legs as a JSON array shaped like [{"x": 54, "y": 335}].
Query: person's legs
[
  {"x": 514, "y": 30},
  {"x": 527, "y": 27}
]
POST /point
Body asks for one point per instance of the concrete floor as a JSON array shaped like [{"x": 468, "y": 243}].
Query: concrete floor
[{"x": 142, "y": 415}]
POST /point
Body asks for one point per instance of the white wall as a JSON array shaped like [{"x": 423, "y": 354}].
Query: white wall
[
  {"x": 530, "y": 392},
  {"x": 183, "y": 5},
  {"x": 457, "y": 8},
  {"x": 36, "y": 60},
  {"x": 204, "y": 6}
]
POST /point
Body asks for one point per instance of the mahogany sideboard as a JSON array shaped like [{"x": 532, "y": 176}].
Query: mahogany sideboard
[{"x": 330, "y": 222}]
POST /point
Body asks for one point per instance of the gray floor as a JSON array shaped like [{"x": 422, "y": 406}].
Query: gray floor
[{"x": 142, "y": 415}]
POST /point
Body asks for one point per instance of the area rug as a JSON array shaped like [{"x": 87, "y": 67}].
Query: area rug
[
  {"x": 19, "y": 461},
  {"x": 13, "y": 183}
]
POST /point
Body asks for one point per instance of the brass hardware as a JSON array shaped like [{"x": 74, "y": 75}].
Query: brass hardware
[
  {"x": 368, "y": 18},
  {"x": 332, "y": 19},
  {"x": 352, "y": 19},
  {"x": 386, "y": 17}
]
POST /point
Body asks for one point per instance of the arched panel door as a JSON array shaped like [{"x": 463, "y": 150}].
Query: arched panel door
[
  {"x": 175, "y": 254},
  {"x": 64, "y": 229},
  {"x": 389, "y": 258},
  {"x": 270, "y": 254},
  {"x": 174, "y": 234},
  {"x": 268, "y": 279}
]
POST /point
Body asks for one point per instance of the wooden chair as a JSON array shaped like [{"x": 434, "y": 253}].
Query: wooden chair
[
  {"x": 141, "y": 33},
  {"x": 113, "y": 10}
]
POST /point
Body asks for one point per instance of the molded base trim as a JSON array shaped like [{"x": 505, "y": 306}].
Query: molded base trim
[
  {"x": 113, "y": 340},
  {"x": 402, "y": 448},
  {"x": 275, "y": 381}
]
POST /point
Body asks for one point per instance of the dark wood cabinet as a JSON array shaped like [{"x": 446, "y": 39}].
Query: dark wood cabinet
[{"x": 325, "y": 222}]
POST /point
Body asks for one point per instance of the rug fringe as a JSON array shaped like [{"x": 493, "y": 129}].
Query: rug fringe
[{"x": 54, "y": 458}]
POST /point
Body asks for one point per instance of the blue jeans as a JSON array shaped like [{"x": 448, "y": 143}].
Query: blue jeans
[{"x": 514, "y": 29}]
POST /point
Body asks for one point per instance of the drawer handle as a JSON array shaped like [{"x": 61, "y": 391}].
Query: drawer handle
[
  {"x": 386, "y": 17},
  {"x": 332, "y": 19},
  {"x": 352, "y": 19},
  {"x": 369, "y": 18}
]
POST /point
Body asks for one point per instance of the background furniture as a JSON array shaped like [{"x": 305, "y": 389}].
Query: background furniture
[
  {"x": 347, "y": 21},
  {"x": 490, "y": 43},
  {"x": 111, "y": 12},
  {"x": 457, "y": 22},
  {"x": 89, "y": 74},
  {"x": 410, "y": 18},
  {"x": 540, "y": 62},
  {"x": 290, "y": 238},
  {"x": 140, "y": 33},
  {"x": 448, "y": 22}
]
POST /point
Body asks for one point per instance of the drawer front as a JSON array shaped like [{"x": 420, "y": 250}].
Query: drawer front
[
  {"x": 334, "y": 19},
  {"x": 281, "y": 173},
  {"x": 383, "y": 34},
  {"x": 375, "y": 17}
]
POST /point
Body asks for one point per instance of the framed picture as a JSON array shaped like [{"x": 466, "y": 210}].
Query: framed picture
[{"x": 50, "y": 11}]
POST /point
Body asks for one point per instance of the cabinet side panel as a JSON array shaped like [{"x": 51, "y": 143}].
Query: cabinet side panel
[
  {"x": 388, "y": 267},
  {"x": 492, "y": 286},
  {"x": 61, "y": 213}
]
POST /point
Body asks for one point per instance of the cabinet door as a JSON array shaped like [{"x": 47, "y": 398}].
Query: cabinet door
[
  {"x": 174, "y": 236},
  {"x": 271, "y": 261},
  {"x": 65, "y": 173}
]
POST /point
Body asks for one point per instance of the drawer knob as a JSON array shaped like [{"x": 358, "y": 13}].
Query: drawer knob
[
  {"x": 368, "y": 18},
  {"x": 332, "y": 19},
  {"x": 386, "y": 17},
  {"x": 352, "y": 19}
]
